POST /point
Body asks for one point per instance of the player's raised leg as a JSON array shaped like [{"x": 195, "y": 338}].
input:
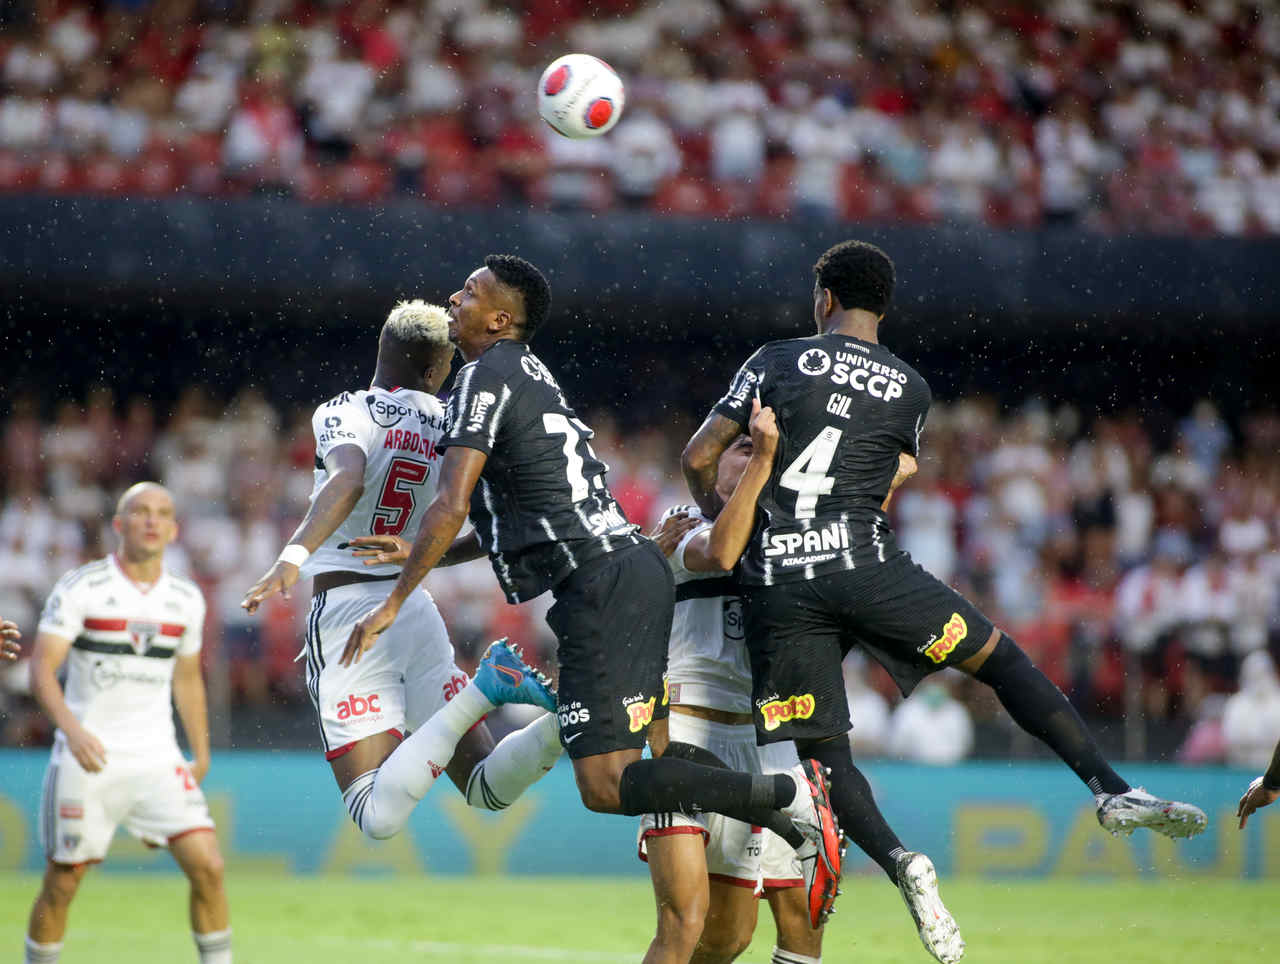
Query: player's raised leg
[
  {"x": 1044, "y": 711},
  {"x": 198, "y": 855},
  {"x": 382, "y": 782}
]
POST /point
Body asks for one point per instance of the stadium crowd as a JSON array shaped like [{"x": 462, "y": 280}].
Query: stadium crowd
[
  {"x": 1134, "y": 558},
  {"x": 1159, "y": 116}
]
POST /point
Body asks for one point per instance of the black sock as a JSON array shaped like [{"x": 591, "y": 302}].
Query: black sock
[
  {"x": 1042, "y": 710},
  {"x": 854, "y": 804},
  {"x": 668, "y": 783},
  {"x": 773, "y": 820}
]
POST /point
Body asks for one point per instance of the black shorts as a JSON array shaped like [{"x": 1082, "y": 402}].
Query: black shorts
[
  {"x": 613, "y": 620},
  {"x": 798, "y": 633}
]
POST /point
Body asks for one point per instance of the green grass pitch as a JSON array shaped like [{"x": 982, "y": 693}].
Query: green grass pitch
[{"x": 281, "y": 919}]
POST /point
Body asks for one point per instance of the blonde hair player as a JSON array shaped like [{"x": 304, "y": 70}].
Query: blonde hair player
[
  {"x": 130, "y": 632},
  {"x": 377, "y": 467}
]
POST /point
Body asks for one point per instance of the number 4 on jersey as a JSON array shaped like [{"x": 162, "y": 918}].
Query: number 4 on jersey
[
  {"x": 807, "y": 475},
  {"x": 397, "y": 502}
]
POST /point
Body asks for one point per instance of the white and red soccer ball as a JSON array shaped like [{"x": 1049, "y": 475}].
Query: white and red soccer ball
[{"x": 580, "y": 96}]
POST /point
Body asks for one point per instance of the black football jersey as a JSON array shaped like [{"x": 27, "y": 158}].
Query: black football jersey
[
  {"x": 542, "y": 507},
  {"x": 845, "y": 408}
]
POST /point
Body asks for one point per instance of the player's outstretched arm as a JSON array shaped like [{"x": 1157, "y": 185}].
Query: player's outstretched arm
[
  {"x": 332, "y": 504},
  {"x": 701, "y": 459},
  {"x": 48, "y": 654},
  {"x": 720, "y": 547},
  {"x": 907, "y": 467},
  {"x": 189, "y": 698},
  {"x": 440, "y": 527},
  {"x": 9, "y": 636},
  {"x": 1262, "y": 792},
  {"x": 381, "y": 550}
]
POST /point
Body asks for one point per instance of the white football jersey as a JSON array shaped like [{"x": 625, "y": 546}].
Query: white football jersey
[
  {"x": 707, "y": 661},
  {"x": 397, "y": 431},
  {"x": 124, "y": 641}
]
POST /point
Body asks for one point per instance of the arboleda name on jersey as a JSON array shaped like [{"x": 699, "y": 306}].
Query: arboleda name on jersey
[{"x": 809, "y": 547}]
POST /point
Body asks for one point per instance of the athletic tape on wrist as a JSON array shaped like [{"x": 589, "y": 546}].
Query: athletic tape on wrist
[{"x": 295, "y": 554}]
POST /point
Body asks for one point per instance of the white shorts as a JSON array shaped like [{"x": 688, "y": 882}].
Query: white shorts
[
  {"x": 154, "y": 796},
  {"x": 737, "y": 853},
  {"x": 397, "y": 685}
]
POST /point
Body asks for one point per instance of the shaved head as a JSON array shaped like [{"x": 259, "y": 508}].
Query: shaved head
[{"x": 129, "y": 494}]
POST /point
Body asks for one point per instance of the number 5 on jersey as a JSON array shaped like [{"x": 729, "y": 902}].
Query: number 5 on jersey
[
  {"x": 807, "y": 475},
  {"x": 398, "y": 500}
]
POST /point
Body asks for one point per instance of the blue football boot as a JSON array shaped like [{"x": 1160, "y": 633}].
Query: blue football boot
[{"x": 504, "y": 677}]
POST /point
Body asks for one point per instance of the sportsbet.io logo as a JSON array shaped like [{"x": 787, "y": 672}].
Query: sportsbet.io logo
[
  {"x": 814, "y": 362},
  {"x": 953, "y": 634},
  {"x": 777, "y": 712}
]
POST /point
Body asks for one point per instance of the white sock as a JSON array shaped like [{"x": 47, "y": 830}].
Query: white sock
[
  {"x": 381, "y": 800},
  {"x": 214, "y": 947},
  {"x": 519, "y": 761},
  {"x": 791, "y": 957},
  {"x": 41, "y": 953}
]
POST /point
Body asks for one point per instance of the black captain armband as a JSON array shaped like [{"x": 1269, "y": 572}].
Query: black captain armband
[{"x": 1271, "y": 782}]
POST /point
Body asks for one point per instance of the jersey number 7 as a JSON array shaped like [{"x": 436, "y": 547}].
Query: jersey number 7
[{"x": 397, "y": 501}]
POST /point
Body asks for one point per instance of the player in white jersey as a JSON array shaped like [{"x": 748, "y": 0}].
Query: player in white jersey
[
  {"x": 376, "y": 471},
  {"x": 709, "y": 687},
  {"x": 130, "y": 633}
]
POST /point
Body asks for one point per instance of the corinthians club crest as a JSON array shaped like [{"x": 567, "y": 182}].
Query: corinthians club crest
[{"x": 142, "y": 635}]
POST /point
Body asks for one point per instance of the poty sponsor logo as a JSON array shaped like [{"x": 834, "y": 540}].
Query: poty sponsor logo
[
  {"x": 777, "y": 712},
  {"x": 640, "y": 714},
  {"x": 953, "y": 633},
  {"x": 814, "y": 362},
  {"x": 358, "y": 706}
]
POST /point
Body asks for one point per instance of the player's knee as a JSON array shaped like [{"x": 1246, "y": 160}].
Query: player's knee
[
  {"x": 598, "y": 789},
  {"x": 206, "y": 875},
  {"x": 680, "y": 924},
  {"x": 720, "y": 945},
  {"x": 378, "y": 826},
  {"x": 61, "y": 881}
]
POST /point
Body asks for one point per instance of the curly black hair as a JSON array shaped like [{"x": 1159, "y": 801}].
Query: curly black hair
[
  {"x": 859, "y": 274},
  {"x": 519, "y": 274}
]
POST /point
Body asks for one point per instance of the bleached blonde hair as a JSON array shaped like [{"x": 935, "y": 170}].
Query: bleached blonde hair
[{"x": 418, "y": 324}]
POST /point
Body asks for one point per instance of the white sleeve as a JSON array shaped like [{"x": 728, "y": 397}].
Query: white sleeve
[
  {"x": 193, "y": 636},
  {"x": 63, "y": 613},
  {"x": 343, "y": 420},
  {"x": 677, "y": 558}
]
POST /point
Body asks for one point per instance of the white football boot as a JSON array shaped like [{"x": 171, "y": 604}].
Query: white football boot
[
  {"x": 1122, "y": 813},
  {"x": 918, "y": 884}
]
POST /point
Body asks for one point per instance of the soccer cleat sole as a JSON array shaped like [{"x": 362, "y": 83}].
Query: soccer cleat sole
[
  {"x": 1168, "y": 817},
  {"x": 939, "y": 933}
]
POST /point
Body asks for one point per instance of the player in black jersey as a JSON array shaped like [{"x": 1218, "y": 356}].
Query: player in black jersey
[
  {"x": 824, "y": 571},
  {"x": 519, "y": 461}
]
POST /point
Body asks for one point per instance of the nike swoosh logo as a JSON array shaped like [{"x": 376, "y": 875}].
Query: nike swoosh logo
[{"x": 570, "y": 739}]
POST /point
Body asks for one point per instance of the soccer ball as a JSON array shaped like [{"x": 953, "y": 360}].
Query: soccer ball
[{"x": 580, "y": 96}]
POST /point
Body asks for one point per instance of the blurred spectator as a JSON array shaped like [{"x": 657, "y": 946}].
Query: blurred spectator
[
  {"x": 867, "y": 709},
  {"x": 968, "y": 110},
  {"x": 1251, "y": 717},
  {"x": 931, "y": 726}
]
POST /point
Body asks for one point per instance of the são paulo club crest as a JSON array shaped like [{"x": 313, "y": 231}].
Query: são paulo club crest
[
  {"x": 814, "y": 362},
  {"x": 142, "y": 635}
]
